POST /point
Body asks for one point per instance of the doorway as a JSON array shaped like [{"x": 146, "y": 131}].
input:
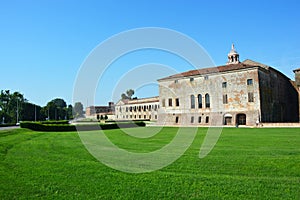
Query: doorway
[{"x": 241, "y": 119}]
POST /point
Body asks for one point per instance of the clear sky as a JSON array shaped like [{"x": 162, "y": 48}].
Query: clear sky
[{"x": 43, "y": 43}]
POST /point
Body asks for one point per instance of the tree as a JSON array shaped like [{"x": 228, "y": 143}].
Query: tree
[
  {"x": 78, "y": 110},
  {"x": 128, "y": 95},
  {"x": 70, "y": 112},
  {"x": 11, "y": 106},
  {"x": 124, "y": 96},
  {"x": 56, "y": 109},
  {"x": 32, "y": 112}
]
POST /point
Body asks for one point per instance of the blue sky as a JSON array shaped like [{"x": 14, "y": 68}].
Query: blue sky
[{"x": 44, "y": 43}]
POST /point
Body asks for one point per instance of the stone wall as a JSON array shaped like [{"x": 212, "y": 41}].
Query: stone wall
[{"x": 279, "y": 98}]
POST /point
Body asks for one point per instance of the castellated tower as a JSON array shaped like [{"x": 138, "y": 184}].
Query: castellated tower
[
  {"x": 297, "y": 81},
  {"x": 297, "y": 77}
]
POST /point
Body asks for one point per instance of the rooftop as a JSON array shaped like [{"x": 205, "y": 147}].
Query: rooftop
[
  {"x": 142, "y": 100},
  {"x": 223, "y": 68},
  {"x": 296, "y": 70}
]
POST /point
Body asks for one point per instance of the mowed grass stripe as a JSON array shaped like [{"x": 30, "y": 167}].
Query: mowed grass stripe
[{"x": 245, "y": 164}]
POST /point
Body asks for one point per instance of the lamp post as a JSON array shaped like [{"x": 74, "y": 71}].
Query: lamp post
[
  {"x": 17, "y": 112},
  {"x": 34, "y": 112},
  {"x": 4, "y": 110}
]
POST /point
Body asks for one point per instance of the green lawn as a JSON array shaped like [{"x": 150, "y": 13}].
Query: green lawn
[{"x": 245, "y": 164}]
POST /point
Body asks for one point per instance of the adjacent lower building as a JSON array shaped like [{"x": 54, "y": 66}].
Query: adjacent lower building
[
  {"x": 137, "y": 109},
  {"x": 238, "y": 93},
  {"x": 101, "y": 112}
]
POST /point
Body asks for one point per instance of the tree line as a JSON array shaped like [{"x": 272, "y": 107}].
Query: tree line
[{"x": 14, "y": 107}]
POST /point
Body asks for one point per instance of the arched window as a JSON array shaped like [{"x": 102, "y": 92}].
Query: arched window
[
  {"x": 192, "y": 119},
  {"x": 199, "y": 119},
  {"x": 207, "y": 101},
  {"x": 199, "y": 101},
  {"x": 192, "y": 101}
]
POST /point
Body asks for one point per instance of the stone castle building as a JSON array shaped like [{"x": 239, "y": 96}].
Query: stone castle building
[
  {"x": 99, "y": 112},
  {"x": 241, "y": 93},
  {"x": 137, "y": 109}
]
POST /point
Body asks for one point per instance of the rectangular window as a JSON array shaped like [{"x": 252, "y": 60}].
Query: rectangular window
[
  {"x": 144, "y": 116},
  {"x": 224, "y": 85},
  {"x": 170, "y": 102},
  {"x": 206, "y": 77},
  {"x": 155, "y": 116},
  {"x": 177, "y": 120},
  {"x": 199, "y": 119},
  {"x": 163, "y": 102},
  {"x": 177, "y": 102},
  {"x": 207, "y": 120},
  {"x": 191, "y": 79},
  {"x": 250, "y": 97},
  {"x": 225, "y": 99},
  {"x": 249, "y": 82},
  {"x": 192, "y": 119},
  {"x": 176, "y": 81}
]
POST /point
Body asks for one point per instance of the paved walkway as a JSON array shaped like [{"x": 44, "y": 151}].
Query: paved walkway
[{"x": 8, "y": 127}]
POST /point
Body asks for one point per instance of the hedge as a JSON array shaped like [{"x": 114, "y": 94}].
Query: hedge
[
  {"x": 37, "y": 126},
  {"x": 56, "y": 122},
  {"x": 7, "y": 124}
]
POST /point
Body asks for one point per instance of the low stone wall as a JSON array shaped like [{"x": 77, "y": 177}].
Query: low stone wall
[{"x": 262, "y": 125}]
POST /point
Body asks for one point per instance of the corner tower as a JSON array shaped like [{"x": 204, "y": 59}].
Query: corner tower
[{"x": 297, "y": 77}]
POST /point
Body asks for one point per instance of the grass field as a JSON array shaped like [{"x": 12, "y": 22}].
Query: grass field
[{"x": 245, "y": 164}]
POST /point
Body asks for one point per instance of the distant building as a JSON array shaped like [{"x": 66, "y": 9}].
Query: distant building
[
  {"x": 137, "y": 109},
  {"x": 100, "y": 112},
  {"x": 236, "y": 93}
]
